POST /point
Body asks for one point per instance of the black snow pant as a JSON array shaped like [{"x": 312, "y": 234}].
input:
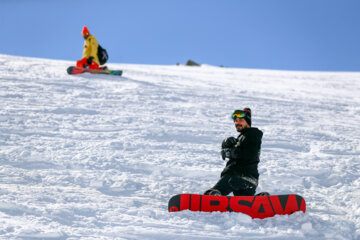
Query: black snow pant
[{"x": 239, "y": 186}]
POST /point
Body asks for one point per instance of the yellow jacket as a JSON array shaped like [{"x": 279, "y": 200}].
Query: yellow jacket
[{"x": 90, "y": 48}]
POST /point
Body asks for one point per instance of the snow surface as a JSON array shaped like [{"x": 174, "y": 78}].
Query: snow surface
[{"x": 98, "y": 157}]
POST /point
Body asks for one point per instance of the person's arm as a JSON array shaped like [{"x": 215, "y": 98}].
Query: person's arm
[
  {"x": 94, "y": 47},
  {"x": 87, "y": 49},
  {"x": 249, "y": 148}
]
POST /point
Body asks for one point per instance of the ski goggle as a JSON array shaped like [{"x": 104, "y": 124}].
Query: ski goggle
[{"x": 239, "y": 114}]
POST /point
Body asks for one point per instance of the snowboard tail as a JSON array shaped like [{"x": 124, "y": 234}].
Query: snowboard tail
[
  {"x": 78, "y": 70},
  {"x": 254, "y": 206}
]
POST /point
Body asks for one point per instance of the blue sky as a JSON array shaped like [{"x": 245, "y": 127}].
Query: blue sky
[{"x": 322, "y": 35}]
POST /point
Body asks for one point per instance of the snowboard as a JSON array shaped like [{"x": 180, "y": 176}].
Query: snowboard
[
  {"x": 79, "y": 70},
  {"x": 254, "y": 206}
]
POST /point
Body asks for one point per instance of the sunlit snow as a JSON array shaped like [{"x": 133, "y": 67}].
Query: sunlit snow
[{"x": 98, "y": 157}]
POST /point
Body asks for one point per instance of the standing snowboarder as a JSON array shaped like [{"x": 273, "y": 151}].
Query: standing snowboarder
[
  {"x": 90, "y": 57},
  {"x": 240, "y": 175}
]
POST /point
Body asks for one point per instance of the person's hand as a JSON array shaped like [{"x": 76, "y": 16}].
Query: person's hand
[
  {"x": 90, "y": 59},
  {"x": 228, "y": 142},
  {"x": 225, "y": 153}
]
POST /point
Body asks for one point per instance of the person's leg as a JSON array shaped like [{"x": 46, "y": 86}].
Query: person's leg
[
  {"x": 222, "y": 187},
  {"x": 94, "y": 65},
  {"x": 82, "y": 62},
  {"x": 242, "y": 187}
]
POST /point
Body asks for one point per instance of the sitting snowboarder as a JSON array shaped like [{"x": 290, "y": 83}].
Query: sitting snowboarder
[
  {"x": 240, "y": 176},
  {"x": 90, "y": 58}
]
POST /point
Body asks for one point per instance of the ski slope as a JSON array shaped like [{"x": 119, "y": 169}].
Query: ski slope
[{"x": 98, "y": 157}]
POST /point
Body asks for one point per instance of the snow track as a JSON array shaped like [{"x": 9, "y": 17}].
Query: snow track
[{"x": 98, "y": 157}]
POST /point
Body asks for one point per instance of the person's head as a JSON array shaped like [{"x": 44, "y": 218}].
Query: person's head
[
  {"x": 85, "y": 32},
  {"x": 242, "y": 119}
]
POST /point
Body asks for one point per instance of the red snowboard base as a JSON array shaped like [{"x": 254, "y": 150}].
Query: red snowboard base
[{"x": 254, "y": 206}]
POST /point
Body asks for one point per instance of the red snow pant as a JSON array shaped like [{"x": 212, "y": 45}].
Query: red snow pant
[{"x": 84, "y": 63}]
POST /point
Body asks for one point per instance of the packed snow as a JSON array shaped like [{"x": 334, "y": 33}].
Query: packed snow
[{"x": 99, "y": 156}]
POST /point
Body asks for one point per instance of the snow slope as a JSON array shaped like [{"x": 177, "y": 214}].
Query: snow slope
[{"x": 98, "y": 157}]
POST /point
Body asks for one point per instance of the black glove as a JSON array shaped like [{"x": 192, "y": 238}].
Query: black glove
[
  {"x": 229, "y": 142},
  {"x": 89, "y": 61},
  {"x": 225, "y": 153}
]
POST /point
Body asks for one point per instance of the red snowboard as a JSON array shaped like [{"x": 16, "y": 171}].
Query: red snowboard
[
  {"x": 254, "y": 206},
  {"x": 78, "y": 70}
]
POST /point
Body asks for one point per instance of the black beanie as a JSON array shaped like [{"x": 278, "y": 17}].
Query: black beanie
[{"x": 247, "y": 115}]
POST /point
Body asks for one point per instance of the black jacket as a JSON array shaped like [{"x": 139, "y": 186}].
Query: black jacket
[{"x": 245, "y": 156}]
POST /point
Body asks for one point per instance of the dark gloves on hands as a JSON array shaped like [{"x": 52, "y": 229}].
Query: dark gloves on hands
[
  {"x": 228, "y": 142},
  {"x": 225, "y": 153},
  {"x": 90, "y": 59},
  {"x": 226, "y": 146}
]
